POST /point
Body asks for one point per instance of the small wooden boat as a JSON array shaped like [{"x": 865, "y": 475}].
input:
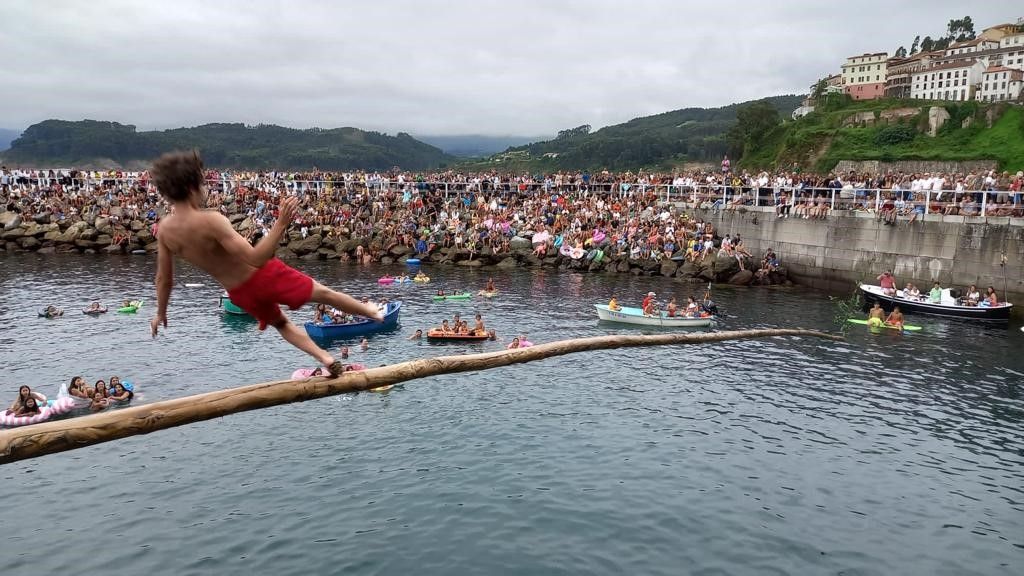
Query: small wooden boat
[
  {"x": 948, "y": 305},
  {"x": 627, "y": 315},
  {"x": 439, "y": 336},
  {"x": 357, "y": 328},
  {"x": 463, "y": 296},
  {"x": 230, "y": 307},
  {"x": 906, "y": 327}
]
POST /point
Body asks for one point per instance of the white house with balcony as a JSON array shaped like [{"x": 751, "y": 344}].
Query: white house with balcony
[
  {"x": 1001, "y": 84},
  {"x": 957, "y": 81}
]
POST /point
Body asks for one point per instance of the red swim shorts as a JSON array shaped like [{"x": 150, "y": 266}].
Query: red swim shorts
[{"x": 273, "y": 284}]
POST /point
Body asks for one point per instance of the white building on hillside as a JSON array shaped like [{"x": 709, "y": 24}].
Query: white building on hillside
[
  {"x": 957, "y": 81},
  {"x": 1001, "y": 84}
]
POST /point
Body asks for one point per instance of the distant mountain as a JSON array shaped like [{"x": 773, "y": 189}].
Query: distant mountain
[
  {"x": 7, "y": 136},
  {"x": 476, "y": 145},
  {"x": 679, "y": 136},
  {"x": 90, "y": 143}
]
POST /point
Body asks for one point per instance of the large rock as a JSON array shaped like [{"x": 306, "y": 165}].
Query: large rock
[
  {"x": 622, "y": 266},
  {"x": 400, "y": 250},
  {"x": 102, "y": 225},
  {"x": 52, "y": 235},
  {"x": 741, "y": 278},
  {"x": 84, "y": 243},
  {"x": 236, "y": 218},
  {"x": 136, "y": 225},
  {"x": 349, "y": 245},
  {"x": 114, "y": 249},
  {"x": 13, "y": 234},
  {"x": 387, "y": 260},
  {"x": 508, "y": 262},
  {"x": 668, "y": 268},
  {"x": 145, "y": 236},
  {"x": 327, "y": 254},
  {"x": 43, "y": 218},
  {"x": 28, "y": 242},
  {"x": 89, "y": 233},
  {"x": 687, "y": 269},
  {"x": 245, "y": 225},
  {"x": 706, "y": 271},
  {"x": 10, "y": 220},
  {"x": 937, "y": 117},
  {"x": 305, "y": 245},
  {"x": 152, "y": 247},
  {"x": 47, "y": 250},
  {"x": 104, "y": 239},
  {"x": 72, "y": 233},
  {"x": 471, "y": 263},
  {"x": 725, "y": 266},
  {"x": 519, "y": 243},
  {"x": 284, "y": 253}
]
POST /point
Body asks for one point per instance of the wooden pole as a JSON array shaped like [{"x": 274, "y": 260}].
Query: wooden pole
[{"x": 60, "y": 435}]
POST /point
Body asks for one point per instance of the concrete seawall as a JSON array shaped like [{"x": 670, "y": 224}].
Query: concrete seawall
[{"x": 836, "y": 253}]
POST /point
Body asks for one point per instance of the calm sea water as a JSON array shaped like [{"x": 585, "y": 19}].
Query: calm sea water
[{"x": 880, "y": 455}]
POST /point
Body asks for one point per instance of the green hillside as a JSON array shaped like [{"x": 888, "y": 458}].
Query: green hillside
[
  {"x": 892, "y": 130},
  {"x": 90, "y": 143},
  {"x": 662, "y": 140}
]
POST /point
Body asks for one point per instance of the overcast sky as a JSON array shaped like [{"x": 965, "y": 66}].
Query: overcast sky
[{"x": 519, "y": 67}]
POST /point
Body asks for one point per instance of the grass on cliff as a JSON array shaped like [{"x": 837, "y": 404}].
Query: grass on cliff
[{"x": 823, "y": 138}]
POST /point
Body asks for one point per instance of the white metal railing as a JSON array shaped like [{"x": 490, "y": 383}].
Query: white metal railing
[{"x": 981, "y": 203}]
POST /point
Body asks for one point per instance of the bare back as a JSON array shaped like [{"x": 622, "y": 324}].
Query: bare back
[{"x": 198, "y": 237}]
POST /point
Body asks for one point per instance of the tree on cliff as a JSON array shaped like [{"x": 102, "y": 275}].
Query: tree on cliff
[
  {"x": 914, "y": 46},
  {"x": 753, "y": 123},
  {"x": 901, "y": 52},
  {"x": 960, "y": 30},
  {"x": 819, "y": 89}
]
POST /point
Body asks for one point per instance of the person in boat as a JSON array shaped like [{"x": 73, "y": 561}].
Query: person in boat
[
  {"x": 876, "y": 316},
  {"x": 991, "y": 299},
  {"x": 887, "y": 282},
  {"x": 648, "y": 304},
  {"x": 692, "y": 308},
  {"x": 99, "y": 402},
  {"x": 613, "y": 305},
  {"x": 479, "y": 328},
  {"x": 895, "y": 318},
  {"x": 321, "y": 315},
  {"x": 256, "y": 281},
  {"x": 24, "y": 394},
  {"x": 446, "y": 328},
  {"x": 670, "y": 308},
  {"x": 935, "y": 295},
  {"x": 418, "y": 335},
  {"x": 121, "y": 394},
  {"x": 913, "y": 293},
  {"x": 463, "y": 328},
  {"x": 973, "y": 296}
]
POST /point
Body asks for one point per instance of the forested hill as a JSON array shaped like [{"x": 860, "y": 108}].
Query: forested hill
[
  {"x": 686, "y": 135},
  {"x": 93, "y": 144}
]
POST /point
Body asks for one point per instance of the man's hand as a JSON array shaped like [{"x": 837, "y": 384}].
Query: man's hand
[
  {"x": 155, "y": 323},
  {"x": 289, "y": 206}
]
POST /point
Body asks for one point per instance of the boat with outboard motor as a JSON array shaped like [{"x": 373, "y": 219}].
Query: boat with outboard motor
[{"x": 950, "y": 304}]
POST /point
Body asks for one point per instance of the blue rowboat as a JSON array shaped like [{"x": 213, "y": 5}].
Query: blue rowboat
[{"x": 357, "y": 328}]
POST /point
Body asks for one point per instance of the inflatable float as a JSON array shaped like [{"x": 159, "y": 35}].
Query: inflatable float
[
  {"x": 55, "y": 313},
  {"x": 94, "y": 312},
  {"x": 131, "y": 308},
  {"x": 412, "y": 261},
  {"x": 51, "y": 409},
  {"x": 488, "y": 293},
  {"x": 463, "y": 296},
  {"x": 421, "y": 279},
  {"x": 439, "y": 336},
  {"x": 868, "y": 323},
  {"x": 385, "y": 280},
  {"x": 304, "y": 373}
]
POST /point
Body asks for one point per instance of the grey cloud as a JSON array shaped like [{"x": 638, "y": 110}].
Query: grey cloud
[{"x": 483, "y": 66}]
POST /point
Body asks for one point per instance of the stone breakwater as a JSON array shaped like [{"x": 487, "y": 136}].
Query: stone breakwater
[{"x": 96, "y": 236}]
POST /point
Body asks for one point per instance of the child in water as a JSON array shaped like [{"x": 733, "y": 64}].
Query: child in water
[{"x": 255, "y": 280}]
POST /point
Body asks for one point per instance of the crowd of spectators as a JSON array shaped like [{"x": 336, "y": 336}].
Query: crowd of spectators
[{"x": 625, "y": 213}]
